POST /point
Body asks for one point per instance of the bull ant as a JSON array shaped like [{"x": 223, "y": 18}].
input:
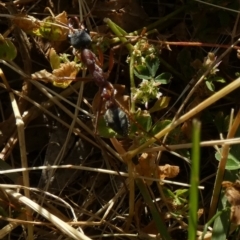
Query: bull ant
[{"x": 114, "y": 116}]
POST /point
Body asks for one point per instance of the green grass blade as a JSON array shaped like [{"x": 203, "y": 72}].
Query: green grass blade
[
  {"x": 194, "y": 181},
  {"x": 161, "y": 226}
]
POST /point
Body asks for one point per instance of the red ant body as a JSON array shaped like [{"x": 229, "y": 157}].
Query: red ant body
[{"x": 114, "y": 117}]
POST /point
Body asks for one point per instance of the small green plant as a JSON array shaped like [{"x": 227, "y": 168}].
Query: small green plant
[
  {"x": 146, "y": 67},
  {"x": 177, "y": 201},
  {"x": 212, "y": 77}
]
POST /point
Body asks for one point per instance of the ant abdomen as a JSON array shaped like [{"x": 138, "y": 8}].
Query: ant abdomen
[{"x": 117, "y": 119}]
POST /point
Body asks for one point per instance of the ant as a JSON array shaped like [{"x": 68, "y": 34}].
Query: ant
[{"x": 114, "y": 116}]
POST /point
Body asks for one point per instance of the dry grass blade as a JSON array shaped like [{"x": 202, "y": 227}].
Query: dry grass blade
[
  {"x": 8, "y": 229},
  {"x": 62, "y": 226},
  {"x": 22, "y": 145},
  {"x": 222, "y": 165}
]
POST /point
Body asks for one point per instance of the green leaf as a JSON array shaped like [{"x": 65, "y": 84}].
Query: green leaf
[
  {"x": 143, "y": 122},
  {"x": 163, "y": 78},
  {"x": 218, "y": 79},
  {"x": 105, "y": 131},
  {"x": 221, "y": 220},
  {"x": 142, "y": 69},
  {"x": 168, "y": 193},
  {"x": 160, "y": 125},
  {"x": 142, "y": 76},
  {"x": 182, "y": 192},
  {"x": 8, "y": 50},
  {"x": 160, "y": 104},
  {"x": 233, "y": 163},
  {"x": 152, "y": 65},
  {"x": 54, "y": 59},
  {"x": 210, "y": 86}
]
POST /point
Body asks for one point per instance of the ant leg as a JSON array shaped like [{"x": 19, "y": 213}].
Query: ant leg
[
  {"x": 110, "y": 65},
  {"x": 111, "y": 62},
  {"x": 100, "y": 57},
  {"x": 98, "y": 111},
  {"x": 101, "y": 60}
]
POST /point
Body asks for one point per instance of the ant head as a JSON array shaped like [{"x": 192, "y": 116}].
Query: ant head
[{"x": 79, "y": 38}]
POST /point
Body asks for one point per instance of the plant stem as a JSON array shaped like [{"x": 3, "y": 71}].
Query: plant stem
[
  {"x": 194, "y": 181},
  {"x": 119, "y": 32}
]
